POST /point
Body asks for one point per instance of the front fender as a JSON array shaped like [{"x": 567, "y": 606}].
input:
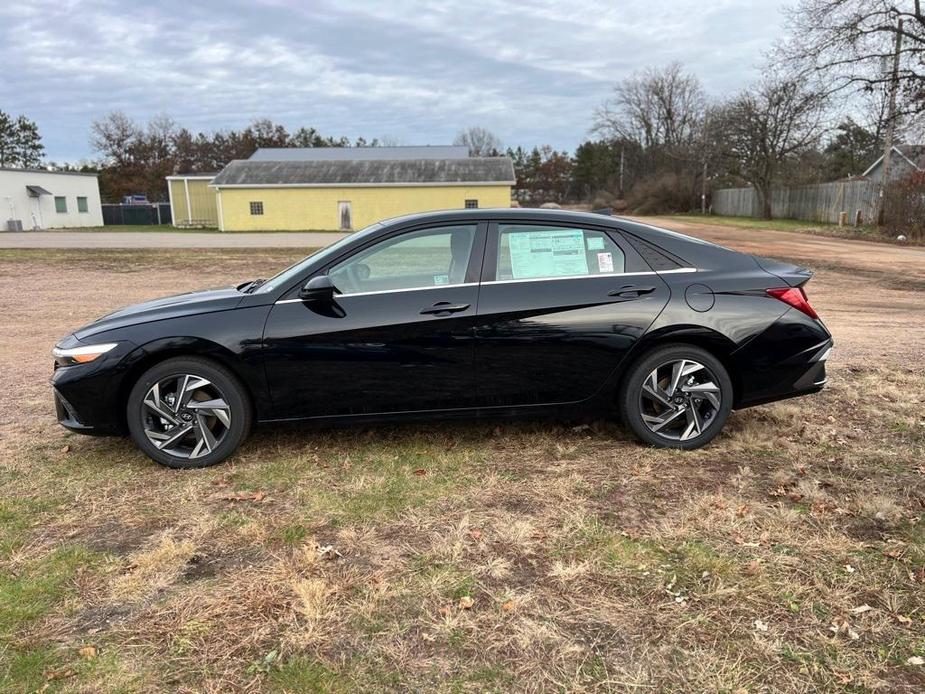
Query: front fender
[{"x": 246, "y": 364}]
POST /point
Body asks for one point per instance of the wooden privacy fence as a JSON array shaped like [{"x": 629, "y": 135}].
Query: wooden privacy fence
[{"x": 821, "y": 202}]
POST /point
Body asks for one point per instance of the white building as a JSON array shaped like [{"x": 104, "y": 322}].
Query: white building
[{"x": 37, "y": 199}]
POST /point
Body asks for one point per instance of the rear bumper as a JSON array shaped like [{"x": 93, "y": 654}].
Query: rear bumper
[
  {"x": 786, "y": 361},
  {"x": 812, "y": 379}
]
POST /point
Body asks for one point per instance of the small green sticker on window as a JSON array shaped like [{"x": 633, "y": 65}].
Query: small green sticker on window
[{"x": 595, "y": 243}]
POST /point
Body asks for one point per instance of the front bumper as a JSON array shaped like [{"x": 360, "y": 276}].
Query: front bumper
[
  {"x": 87, "y": 397},
  {"x": 68, "y": 416}
]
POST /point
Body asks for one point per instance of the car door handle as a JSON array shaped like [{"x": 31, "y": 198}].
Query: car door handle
[
  {"x": 444, "y": 308},
  {"x": 630, "y": 291}
]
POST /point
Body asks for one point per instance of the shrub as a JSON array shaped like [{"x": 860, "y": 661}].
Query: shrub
[
  {"x": 904, "y": 207},
  {"x": 662, "y": 193},
  {"x": 604, "y": 198}
]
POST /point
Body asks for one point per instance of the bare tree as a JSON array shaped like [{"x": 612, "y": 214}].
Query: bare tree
[
  {"x": 655, "y": 107},
  {"x": 162, "y": 130},
  {"x": 480, "y": 141},
  {"x": 113, "y": 136},
  {"x": 764, "y": 127},
  {"x": 852, "y": 43}
]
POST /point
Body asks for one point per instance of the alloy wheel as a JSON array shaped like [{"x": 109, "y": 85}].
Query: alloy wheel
[
  {"x": 679, "y": 399},
  {"x": 185, "y": 416}
]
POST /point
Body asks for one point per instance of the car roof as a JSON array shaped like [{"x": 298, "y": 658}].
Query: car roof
[{"x": 503, "y": 213}]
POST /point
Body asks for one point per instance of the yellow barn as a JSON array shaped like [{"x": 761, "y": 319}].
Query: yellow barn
[{"x": 351, "y": 194}]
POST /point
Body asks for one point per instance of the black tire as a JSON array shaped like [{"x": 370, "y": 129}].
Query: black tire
[
  {"x": 632, "y": 402},
  {"x": 221, "y": 381}
]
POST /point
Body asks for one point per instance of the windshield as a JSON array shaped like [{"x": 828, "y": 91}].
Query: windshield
[{"x": 292, "y": 272}]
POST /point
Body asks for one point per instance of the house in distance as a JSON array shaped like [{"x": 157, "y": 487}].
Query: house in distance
[{"x": 338, "y": 188}]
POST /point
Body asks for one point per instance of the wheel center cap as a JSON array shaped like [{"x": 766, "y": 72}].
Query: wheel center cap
[
  {"x": 186, "y": 417},
  {"x": 679, "y": 400}
]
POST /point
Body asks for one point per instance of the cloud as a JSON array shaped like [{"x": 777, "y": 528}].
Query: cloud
[{"x": 413, "y": 71}]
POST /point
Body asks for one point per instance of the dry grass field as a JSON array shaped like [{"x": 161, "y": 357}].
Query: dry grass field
[{"x": 533, "y": 556}]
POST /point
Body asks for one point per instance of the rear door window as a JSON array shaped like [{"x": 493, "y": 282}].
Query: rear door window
[{"x": 536, "y": 252}]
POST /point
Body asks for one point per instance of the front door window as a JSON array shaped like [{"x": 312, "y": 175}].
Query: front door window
[{"x": 416, "y": 260}]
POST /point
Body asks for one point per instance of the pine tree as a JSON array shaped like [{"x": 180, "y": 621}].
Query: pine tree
[
  {"x": 27, "y": 143},
  {"x": 7, "y": 133}
]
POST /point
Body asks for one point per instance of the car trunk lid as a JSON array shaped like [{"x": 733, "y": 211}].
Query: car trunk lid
[{"x": 792, "y": 275}]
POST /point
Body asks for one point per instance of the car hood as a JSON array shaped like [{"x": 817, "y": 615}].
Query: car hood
[{"x": 169, "y": 307}]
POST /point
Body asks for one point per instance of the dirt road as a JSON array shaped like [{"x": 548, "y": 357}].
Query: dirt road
[{"x": 164, "y": 239}]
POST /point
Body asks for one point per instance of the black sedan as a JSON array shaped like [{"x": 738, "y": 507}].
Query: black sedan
[{"x": 483, "y": 313}]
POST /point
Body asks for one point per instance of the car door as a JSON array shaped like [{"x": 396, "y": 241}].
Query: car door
[
  {"x": 398, "y": 337},
  {"x": 559, "y": 308}
]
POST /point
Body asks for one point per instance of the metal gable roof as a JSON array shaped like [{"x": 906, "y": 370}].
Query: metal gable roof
[
  {"x": 913, "y": 154},
  {"x": 247, "y": 173},
  {"x": 359, "y": 153}
]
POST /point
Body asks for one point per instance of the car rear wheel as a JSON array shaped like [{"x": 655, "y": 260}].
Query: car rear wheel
[
  {"x": 188, "y": 413},
  {"x": 677, "y": 396}
]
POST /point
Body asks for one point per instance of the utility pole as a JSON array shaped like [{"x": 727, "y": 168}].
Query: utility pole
[
  {"x": 890, "y": 124},
  {"x": 622, "y": 148},
  {"x": 703, "y": 188}
]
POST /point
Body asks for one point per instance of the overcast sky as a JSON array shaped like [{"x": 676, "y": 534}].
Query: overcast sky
[{"x": 415, "y": 72}]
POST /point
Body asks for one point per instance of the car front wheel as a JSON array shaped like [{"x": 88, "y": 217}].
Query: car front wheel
[
  {"x": 677, "y": 396},
  {"x": 188, "y": 412}
]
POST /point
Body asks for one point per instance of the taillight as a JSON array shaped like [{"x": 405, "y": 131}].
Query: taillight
[{"x": 795, "y": 297}]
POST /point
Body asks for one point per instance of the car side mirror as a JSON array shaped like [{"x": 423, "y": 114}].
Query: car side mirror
[{"x": 320, "y": 288}]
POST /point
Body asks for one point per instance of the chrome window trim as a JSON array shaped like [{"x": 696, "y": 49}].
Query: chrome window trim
[{"x": 529, "y": 279}]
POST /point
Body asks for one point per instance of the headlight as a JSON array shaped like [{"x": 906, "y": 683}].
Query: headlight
[{"x": 81, "y": 355}]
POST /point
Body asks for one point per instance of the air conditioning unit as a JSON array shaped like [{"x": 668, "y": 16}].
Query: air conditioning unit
[{"x": 14, "y": 225}]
